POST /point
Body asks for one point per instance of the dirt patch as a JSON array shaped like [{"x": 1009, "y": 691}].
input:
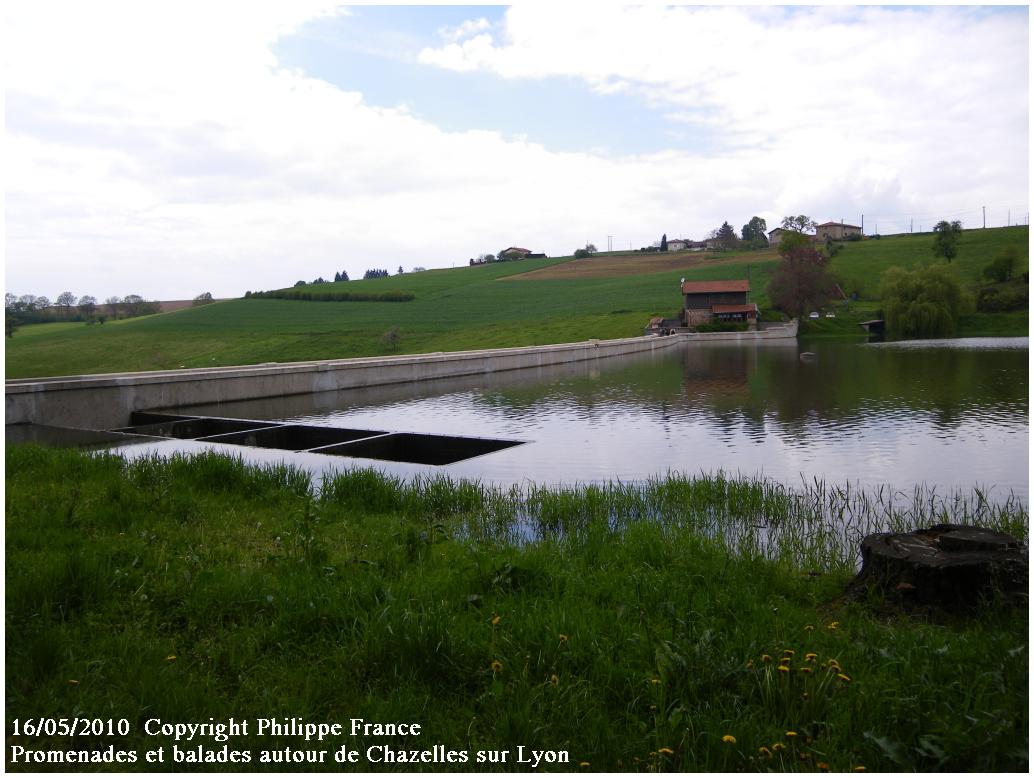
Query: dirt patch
[{"x": 634, "y": 264}]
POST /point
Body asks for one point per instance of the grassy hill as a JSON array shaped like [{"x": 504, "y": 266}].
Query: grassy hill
[{"x": 469, "y": 307}]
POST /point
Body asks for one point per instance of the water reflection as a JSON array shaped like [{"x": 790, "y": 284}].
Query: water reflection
[{"x": 949, "y": 415}]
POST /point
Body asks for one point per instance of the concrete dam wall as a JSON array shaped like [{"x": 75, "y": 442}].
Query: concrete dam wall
[{"x": 106, "y": 401}]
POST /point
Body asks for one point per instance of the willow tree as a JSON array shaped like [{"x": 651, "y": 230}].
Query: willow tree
[{"x": 922, "y": 303}]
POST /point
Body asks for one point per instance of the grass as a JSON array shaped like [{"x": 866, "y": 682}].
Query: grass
[
  {"x": 626, "y": 625},
  {"x": 466, "y": 308}
]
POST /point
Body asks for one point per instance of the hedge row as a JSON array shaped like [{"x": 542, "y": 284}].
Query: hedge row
[{"x": 333, "y": 297}]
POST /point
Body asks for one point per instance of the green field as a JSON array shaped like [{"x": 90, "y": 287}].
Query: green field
[
  {"x": 465, "y": 308},
  {"x": 676, "y": 625}
]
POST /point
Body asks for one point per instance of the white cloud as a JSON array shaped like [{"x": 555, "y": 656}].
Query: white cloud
[{"x": 163, "y": 151}]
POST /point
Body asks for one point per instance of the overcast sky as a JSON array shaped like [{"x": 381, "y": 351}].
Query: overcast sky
[{"x": 168, "y": 149}]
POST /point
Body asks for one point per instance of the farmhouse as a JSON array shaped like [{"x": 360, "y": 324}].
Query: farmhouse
[
  {"x": 837, "y": 231},
  {"x": 514, "y": 252},
  {"x": 677, "y": 244},
  {"x": 707, "y": 301}
]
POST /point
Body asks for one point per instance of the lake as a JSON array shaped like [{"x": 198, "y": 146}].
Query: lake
[{"x": 949, "y": 415}]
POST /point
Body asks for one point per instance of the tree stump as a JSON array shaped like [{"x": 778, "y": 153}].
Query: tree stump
[{"x": 947, "y": 565}]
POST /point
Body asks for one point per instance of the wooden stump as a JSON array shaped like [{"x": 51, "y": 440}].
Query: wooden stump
[{"x": 947, "y": 565}]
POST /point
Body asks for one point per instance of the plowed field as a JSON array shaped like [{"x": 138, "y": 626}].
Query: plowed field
[{"x": 634, "y": 264}]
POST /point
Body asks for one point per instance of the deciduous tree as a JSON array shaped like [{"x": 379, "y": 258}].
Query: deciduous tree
[
  {"x": 946, "y": 239},
  {"x": 800, "y": 223},
  {"x": 755, "y": 232},
  {"x": 801, "y": 282},
  {"x": 924, "y": 303}
]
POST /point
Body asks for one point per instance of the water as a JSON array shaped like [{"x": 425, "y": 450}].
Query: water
[{"x": 949, "y": 415}]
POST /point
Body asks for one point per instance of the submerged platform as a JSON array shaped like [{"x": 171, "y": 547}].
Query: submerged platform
[{"x": 416, "y": 448}]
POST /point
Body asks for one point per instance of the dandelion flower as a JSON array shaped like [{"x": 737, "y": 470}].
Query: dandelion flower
[
  {"x": 791, "y": 734},
  {"x": 785, "y": 660},
  {"x": 553, "y": 679},
  {"x": 729, "y": 739},
  {"x": 170, "y": 658},
  {"x": 833, "y": 625},
  {"x": 765, "y": 752},
  {"x": 806, "y": 670},
  {"x": 665, "y": 751},
  {"x": 72, "y": 682},
  {"x": 809, "y": 627},
  {"x": 496, "y": 618},
  {"x": 583, "y": 764},
  {"x": 783, "y": 669},
  {"x": 844, "y": 678},
  {"x": 810, "y": 657},
  {"x": 563, "y": 639},
  {"x": 766, "y": 658},
  {"x": 655, "y": 681},
  {"x": 497, "y": 666},
  {"x": 788, "y": 652},
  {"x": 778, "y": 746},
  {"x": 860, "y": 768},
  {"x": 822, "y": 766}
]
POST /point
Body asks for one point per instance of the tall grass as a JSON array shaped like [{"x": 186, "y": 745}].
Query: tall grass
[{"x": 636, "y": 626}]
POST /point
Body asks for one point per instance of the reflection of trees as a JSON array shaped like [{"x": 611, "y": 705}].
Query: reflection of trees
[{"x": 736, "y": 389}]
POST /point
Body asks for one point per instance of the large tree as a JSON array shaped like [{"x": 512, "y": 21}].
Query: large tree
[
  {"x": 755, "y": 232},
  {"x": 664, "y": 242},
  {"x": 946, "y": 239},
  {"x": 87, "y": 306},
  {"x": 923, "y": 303},
  {"x": 801, "y": 282},
  {"x": 800, "y": 223}
]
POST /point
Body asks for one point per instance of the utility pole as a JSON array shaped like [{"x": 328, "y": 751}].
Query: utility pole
[
  {"x": 911, "y": 222},
  {"x": 610, "y": 243},
  {"x": 1008, "y": 219},
  {"x": 863, "y": 224},
  {"x": 984, "y": 209}
]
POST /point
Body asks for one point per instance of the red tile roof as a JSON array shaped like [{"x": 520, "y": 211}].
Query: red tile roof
[{"x": 704, "y": 287}]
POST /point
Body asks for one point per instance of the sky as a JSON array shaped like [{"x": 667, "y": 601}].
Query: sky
[{"x": 171, "y": 149}]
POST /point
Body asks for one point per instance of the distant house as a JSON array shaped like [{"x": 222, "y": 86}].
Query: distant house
[
  {"x": 707, "y": 301},
  {"x": 677, "y": 244},
  {"x": 696, "y": 245},
  {"x": 774, "y": 236},
  {"x": 514, "y": 252},
  {"x": 837, "y": 231}
]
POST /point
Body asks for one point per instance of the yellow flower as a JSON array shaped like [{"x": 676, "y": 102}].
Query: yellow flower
[
  {"x": 72, "y": 682},
  {"x": 833, "y": 625},
  {"x": 822, "y": 766},
  {"x": 497, "y": 666},
  {"x": 809, "y": 627},
  {"x": 583, "y": 764},
  {"x": 665, "y": 751},
  {"x": 843, "y": 677},
  {"x": 785, "y": 660},
  {"x": 805, "y": 669},
  {"x": 170, "y": 658},
  {"x": 553, "y": 679},
  {"x": 496, "y": 618},
  {"x": 791, "y": 734},
  {"x": 655, "y": 681},
  {"x": 729, "y": 739},
  {"x": 860, "y": 769},
  {"x": 788, "y": 652},
  {"x": 765, "y": 752},
  {"x": 811, "y": 657},
  {"x": 750, "y": 663},
  {"x": 766, "y": 658},
  {"x": 778, "y": 746},
  {"x": 563, "y": 639},
  {"x": 783, "y": 669},
  {"x": 653, "y": 707}
]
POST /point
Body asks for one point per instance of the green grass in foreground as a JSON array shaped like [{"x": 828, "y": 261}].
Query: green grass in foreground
[
  {"x": 466, "y": 308},
  {"x": 632, "y": 633}
]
